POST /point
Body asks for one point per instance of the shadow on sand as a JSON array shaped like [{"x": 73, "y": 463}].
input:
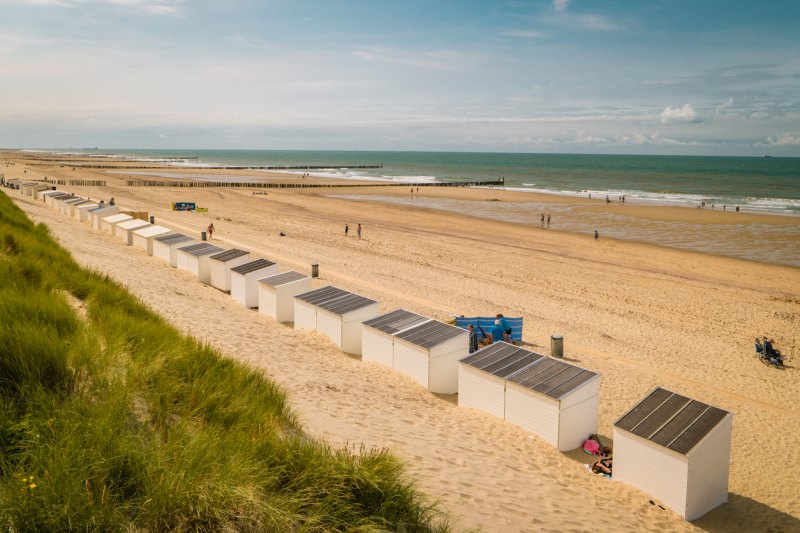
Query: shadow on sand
[{"x": 743, "y": 513}]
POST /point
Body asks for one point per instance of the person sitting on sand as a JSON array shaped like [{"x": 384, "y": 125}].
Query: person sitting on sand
[
  {"x": 759, "y": 346},
  {"x": 773, "y": 353},
  {"x": 603, "y": 466}
]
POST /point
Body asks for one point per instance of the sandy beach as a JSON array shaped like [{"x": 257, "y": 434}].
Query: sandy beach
[{"x": 641, "y": 315}]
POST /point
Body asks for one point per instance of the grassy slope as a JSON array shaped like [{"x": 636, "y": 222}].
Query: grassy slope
[{"x": 111, "y": 419}]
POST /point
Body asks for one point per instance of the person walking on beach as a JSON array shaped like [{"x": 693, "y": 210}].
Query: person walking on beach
[
  {"x": 346, "y": 230},
  {"x": 548, "y": 220},
  {"x": 542, "y": 219},
  {"x": 596, "y": 235},
  {"x": 359, "y": 231},
  {"x": 210, "y": 229}
]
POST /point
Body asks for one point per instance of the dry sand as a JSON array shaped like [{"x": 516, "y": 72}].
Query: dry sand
[{"x": 642, "y": 316}]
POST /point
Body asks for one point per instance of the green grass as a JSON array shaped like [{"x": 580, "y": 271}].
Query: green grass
[{"x": 115, "y": 421}]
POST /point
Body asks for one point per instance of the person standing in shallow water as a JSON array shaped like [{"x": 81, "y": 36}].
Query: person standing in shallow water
[{"x": 596, "y": 235}]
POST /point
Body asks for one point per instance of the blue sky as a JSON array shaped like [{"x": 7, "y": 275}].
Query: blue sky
[{"x": 658, "y": 77}]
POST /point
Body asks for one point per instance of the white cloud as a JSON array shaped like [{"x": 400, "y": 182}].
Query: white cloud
[
  {"x": 560, "y": 5},
  {"x": 721, "y": 108},
  {"x": 156, "y": 7},
  {"x": 679, "y": 114},
  {"x": 784, "y": 139}
]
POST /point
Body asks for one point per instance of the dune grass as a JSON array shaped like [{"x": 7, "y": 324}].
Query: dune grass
[{"x": 110, "y": 419}]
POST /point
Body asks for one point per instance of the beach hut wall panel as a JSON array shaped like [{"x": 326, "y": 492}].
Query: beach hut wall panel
[
  {"x": 44, "y": 195},
  {"x": 53, "y": 200},
  {"x": 276, "y": 294},
  {"x": 185, "y": 253},
  {"x": 199, "y": 262},
  {"x": 143, "y": 237},
  {"x": 83, "y": 211},
  {"x": 124, "y": 230},
  {"x": 482, "y": 376},
  {"x": 97, "y": 215},
  {"x": 166, "y": 247},
  {"x": 221, "y": 265},
  {"x": 555, "y": 400},
  {"x": 39, "y": 189},
  {"x": 305, "y": 305},
  {"x": 107, "y": 223},
  {"x": 66, "y": 205},
  {"x": 377, "y": 334},
  {"x": 677, "y": 450},
  {"x": 244, "y": 280},
  {"x": 73, "y": 207},
  {"x": 429, "y": 353},
  {"x": 341, "y": 320}
]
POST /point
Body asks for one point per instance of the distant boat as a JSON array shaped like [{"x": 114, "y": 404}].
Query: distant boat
[{"x": 767, "y": 156}]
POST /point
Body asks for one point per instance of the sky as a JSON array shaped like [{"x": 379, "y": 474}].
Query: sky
[{"x": 696, "y": 77}]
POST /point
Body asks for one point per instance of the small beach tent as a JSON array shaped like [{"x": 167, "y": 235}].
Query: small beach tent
[
  {"x": 107, "y": 224},
  {"x": 75, "y": 205},
  {"x": 305, "y": 305},
  {"x": 100, "y": 213},
  {"x": 276, "y": 294},
  {"x": 199, "y": 262},
  {"x": 143, "y": 237},
  {"x": 341, "y": 320},
  {"x": 166, "y": 246},
  {"x": 377, "y": 335},
  {"x": 66, "y": 205},
  {"x": 221, "y": 265},
  {"x": 124, "y": 230},
  {"x": 185, "y": 253},
  {"x": 82, "y": 211},
  {"x": 244, "y": 280},
  {"x": 429, "y": 353},
  {"x": 676, "y": 449},
  {"x": 556, "y": 400},
  {"x": 482, "y": 376}
]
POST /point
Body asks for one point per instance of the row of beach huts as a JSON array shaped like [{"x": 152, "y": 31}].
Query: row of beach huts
[{"x": 672, "y": 447}]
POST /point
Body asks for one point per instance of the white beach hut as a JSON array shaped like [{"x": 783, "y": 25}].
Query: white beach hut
[
  {"x": 377, "y": 335},
  {"x": 341, "y": 320},
  {"x": 124, "y": 230},
  {"x": 75, "y": 205},
  {"x": 143, "y": 237},
  {"x": 677, "y": 450},
  {"x": 166, "y": 247},
  {"x": 482, "y": 376},
  {"x": 66, "y": 205},
  {"x": 102, "y": 211},
  {"x": 82, "y": 212},
  {"x": 186, "y": 255},
  {"x": 38, "y": 189},
  {"x": 53, "y": 199},
  {"x": 276, "y": 294},
  {"x": 107, "y": 223},
  {"x": 429, "y": 353},
  {"x": 244, "y": 280},
  {"x": 221, "y": 265},
  {"x": 44, "y": 195},
  {"x": 62, "y": 203},
  {"x": 199, "y": 262},
  {"x": 556, "y": 400},
  {"x": 305, "y": 305}
]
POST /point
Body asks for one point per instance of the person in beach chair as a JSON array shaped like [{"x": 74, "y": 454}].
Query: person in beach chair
[{"x": 767, "y": 353}]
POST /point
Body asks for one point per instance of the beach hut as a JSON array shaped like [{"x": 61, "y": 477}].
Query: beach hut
[
  {"x": 244, "y": 280},
  {"x": 341, "y": 320},
  {"x": 143, "y": 237},
  {"x": 38, "y": 189},
  {"x": 44, "y": 195},
  {"x": 97, "y": 215},
  {"x": 53, "y": 199},
  {"x": 676, "y": 449},
  {"x": 377, "y": 335},
  {"x": 124, "y": 230},
  {"x": 66, "y": 206},
  {"x": 83, "y": 211},
  {"x": 187, "y": 255},
  {"x": 107, "y": 224},
  {"x": 221, "y": 265},
  {"x": 199, "y": 262},
  {"x": 276, "y": 294},
  {"x": 74, "y": 205},
  {"x": 166, "y": 246},
  {"x": 429, "y": 353},
  {"x": 556, "y": 400},
  {"x": 482, "y": 376},
  {"x": 305, "y": 305}
]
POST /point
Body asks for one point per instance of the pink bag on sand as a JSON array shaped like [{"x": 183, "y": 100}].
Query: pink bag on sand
[{"x": 591, "y": 446}]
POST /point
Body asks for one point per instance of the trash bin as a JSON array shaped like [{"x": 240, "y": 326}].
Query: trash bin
[
  {"x": 314, "y": 270},
  {"x": 203, "y": 236},
  {"x": 152, "y": 219},
  {"x": 557, "y": 345}
]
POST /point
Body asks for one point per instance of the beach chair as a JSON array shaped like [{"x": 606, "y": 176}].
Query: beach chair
[{"x": 486, "y": 323}]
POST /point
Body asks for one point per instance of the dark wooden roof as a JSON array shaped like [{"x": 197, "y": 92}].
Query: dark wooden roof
[
  {"x": 552, "y": 377},
  {"x": 209, "y": 250},
  {"x": 252, "y": 266},
  {"x": 502, "y": 359},
  {"x": 395, "y": 321},
  {"x": 177, "y": 237},
  {"x": 229, "y": 255},
  {"x": 346, "y": 304},
  {"x": 671, "y": 420},
  {"x": 284, "y": 278},
  {"x": 189, "y": 248},
  {"x": 431, "y": 333},
  {"x": 323, "y": 294}
]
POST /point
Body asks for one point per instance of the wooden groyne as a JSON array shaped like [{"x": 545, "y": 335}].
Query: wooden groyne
[
  {"x": 88, "y": 183},
  {"x": 265, "y": 185}
]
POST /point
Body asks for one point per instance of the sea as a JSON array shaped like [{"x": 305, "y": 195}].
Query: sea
[{"x": 764, "y": 185}]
